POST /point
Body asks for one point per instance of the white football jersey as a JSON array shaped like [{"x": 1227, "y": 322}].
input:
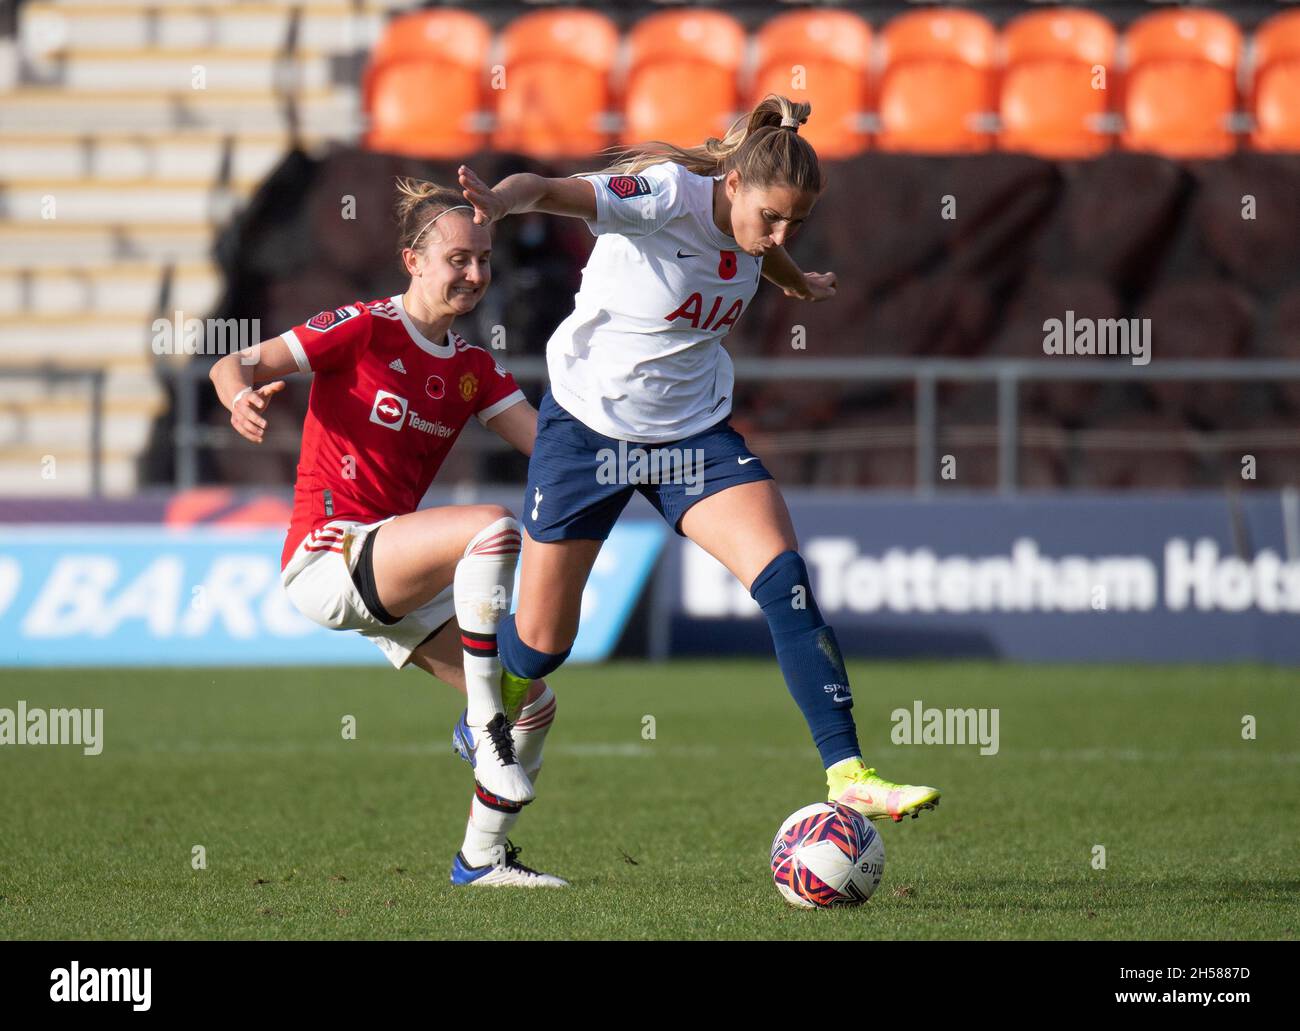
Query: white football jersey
[{"x": 641, "y": 357}]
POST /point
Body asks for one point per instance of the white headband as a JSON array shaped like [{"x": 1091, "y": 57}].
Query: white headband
[{"x": 435, "y": 218}]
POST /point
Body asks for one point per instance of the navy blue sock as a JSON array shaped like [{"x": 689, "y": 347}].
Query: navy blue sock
[
  {"x": 521, "y": 660},
  {"x": 809, "y": 655}
]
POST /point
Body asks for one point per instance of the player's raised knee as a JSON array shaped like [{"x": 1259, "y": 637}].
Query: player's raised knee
[{"x": 497, "y": 533}]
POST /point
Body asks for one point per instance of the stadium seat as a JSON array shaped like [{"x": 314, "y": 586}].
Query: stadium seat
[
  {"x": 665, "y": 50},
  {"x": 1136, "y": 451},
  {"x": 1049, "y": 105},
  {"x": 255, "y": 69},
  {"x": 45, "y": 245},
  {"x": 1275, "y": 445},
  {"x": 46, "y": 27},
  {"x": 1180, "y": 90},
  {"x": 558, "y": 65},
  {"x": 821, "y": 57},
  {"x": 1021, "y": 336},
  {"x": 118, "y": 289},
  {"x": 1282, "y": 341},
  {"x": 324, "y": 113},
  {"x": 424, "y": 87},
  {"x": 938, "y": 82},
  {"x": 1275, "y": 92},
  {"x": 869, "y": 446},
  {"x": 968, "y": 431},
  {"x": 1198, "y": 318},
  {"x": 122, "y": 157},
  {"x": 1262, "y": 252}
]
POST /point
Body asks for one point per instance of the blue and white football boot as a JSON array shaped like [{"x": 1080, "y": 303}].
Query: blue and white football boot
[
  {"x": 505, "y": 871},
  {"x": 490, "y": 751}
]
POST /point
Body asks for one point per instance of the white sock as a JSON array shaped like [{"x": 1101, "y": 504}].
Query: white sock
[
  {"x": 484, "y": 579},
  {"x": 488, "y": 827}
]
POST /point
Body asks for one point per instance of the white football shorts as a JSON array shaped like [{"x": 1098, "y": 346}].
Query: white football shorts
[{"x": 318, "y": 580}]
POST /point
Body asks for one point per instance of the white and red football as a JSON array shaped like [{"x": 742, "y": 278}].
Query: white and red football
[{"x": 827, "y": 855}]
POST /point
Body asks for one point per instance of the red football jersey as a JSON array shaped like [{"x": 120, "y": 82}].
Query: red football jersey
[{"x": 386, "y": 406}]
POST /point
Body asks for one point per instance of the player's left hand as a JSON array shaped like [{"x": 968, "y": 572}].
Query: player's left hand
[
  {"x": 488, "y": 204},
  {"x": 818, "y": 286}
]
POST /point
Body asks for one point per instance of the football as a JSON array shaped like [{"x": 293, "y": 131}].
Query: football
[{"x": 827, "y": 855}]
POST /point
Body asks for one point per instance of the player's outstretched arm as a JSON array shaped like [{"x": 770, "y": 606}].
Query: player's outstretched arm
[
  {"x": 246, "y": 386},
  {"x": 524, "y": 191},
  {"x": 517, "y": 426},
  {"x": 780, "y": 268}
]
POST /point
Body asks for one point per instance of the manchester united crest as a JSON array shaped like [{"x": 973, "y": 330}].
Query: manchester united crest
[{"x": 468, "y": 386}]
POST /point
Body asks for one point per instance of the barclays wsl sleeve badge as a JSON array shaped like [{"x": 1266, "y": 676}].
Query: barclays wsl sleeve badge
[
  {"x": 625, "y": 186},
  {"x": 327, "y": 320}
]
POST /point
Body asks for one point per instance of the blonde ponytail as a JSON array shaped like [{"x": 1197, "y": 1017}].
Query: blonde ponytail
[{"x": 764, "y": 146}]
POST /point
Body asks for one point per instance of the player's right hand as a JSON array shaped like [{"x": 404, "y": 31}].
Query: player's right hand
[
  {"x": 247, "y": 415},
  {"x": 488, "y": 204}
]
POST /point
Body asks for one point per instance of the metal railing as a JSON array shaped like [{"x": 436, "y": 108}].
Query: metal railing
[{"x": 926, "y": 374}]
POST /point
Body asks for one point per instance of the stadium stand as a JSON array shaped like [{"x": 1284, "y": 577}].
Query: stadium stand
[
  {"x": 426, "y": 65},
  {"x": 1275, "y": 84},
  {"x": 1180, "y": 87},
  {"x": 162, "y": 156},
  {"x": 833, "y": 49},
  {"x": 128, "y": 134},
  {"x": 704, "y": 48},
  {"x": 938, "y": 70},
  {"x": 559, "y": 66},
  {"x": 1049, "y": 101}
]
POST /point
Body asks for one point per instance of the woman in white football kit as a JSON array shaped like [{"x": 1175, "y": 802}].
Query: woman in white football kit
[
  {"x": 393, "y": 388},
  {"x": 638, "y": 376}
]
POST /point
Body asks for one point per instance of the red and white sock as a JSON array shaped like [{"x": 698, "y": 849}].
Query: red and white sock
[
  {"x": 529, "y": 731},
  {"x": 484, "y": 580}
]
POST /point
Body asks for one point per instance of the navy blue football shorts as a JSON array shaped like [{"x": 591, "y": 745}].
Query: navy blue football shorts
[{"x": 579, "y": 481}]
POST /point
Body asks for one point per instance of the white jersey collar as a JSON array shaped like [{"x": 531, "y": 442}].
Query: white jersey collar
[{"x": 444, "y": 350}]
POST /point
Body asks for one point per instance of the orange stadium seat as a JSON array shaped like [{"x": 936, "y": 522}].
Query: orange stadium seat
[
  {"x": 557, "y": 91},
  {"x": 822, "y": 57},
  {"x": 1048, "y": 104},
  {"x": 1181, "y": 86},
  {"x": 424, "y": 85},
  {"x": 682, "y": 80},
  {"x": 939, "y": 77},
  {"x": 1276, "y": 88}
]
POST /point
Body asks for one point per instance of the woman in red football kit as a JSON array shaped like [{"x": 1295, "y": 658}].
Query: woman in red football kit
[{"x": 393, "y": 388}]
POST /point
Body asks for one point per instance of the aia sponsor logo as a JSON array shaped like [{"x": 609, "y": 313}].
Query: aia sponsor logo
[
  {"x": 388, "y": 410},
  {"x": 692, "y": 311}
]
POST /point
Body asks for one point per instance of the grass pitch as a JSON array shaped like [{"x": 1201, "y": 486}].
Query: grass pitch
[{"x": 309, "y": 835}]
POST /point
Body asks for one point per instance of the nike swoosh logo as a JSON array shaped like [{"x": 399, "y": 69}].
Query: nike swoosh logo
[
  {"x": 746, "y": 461},
  {"x": 681, "y": 255}
]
